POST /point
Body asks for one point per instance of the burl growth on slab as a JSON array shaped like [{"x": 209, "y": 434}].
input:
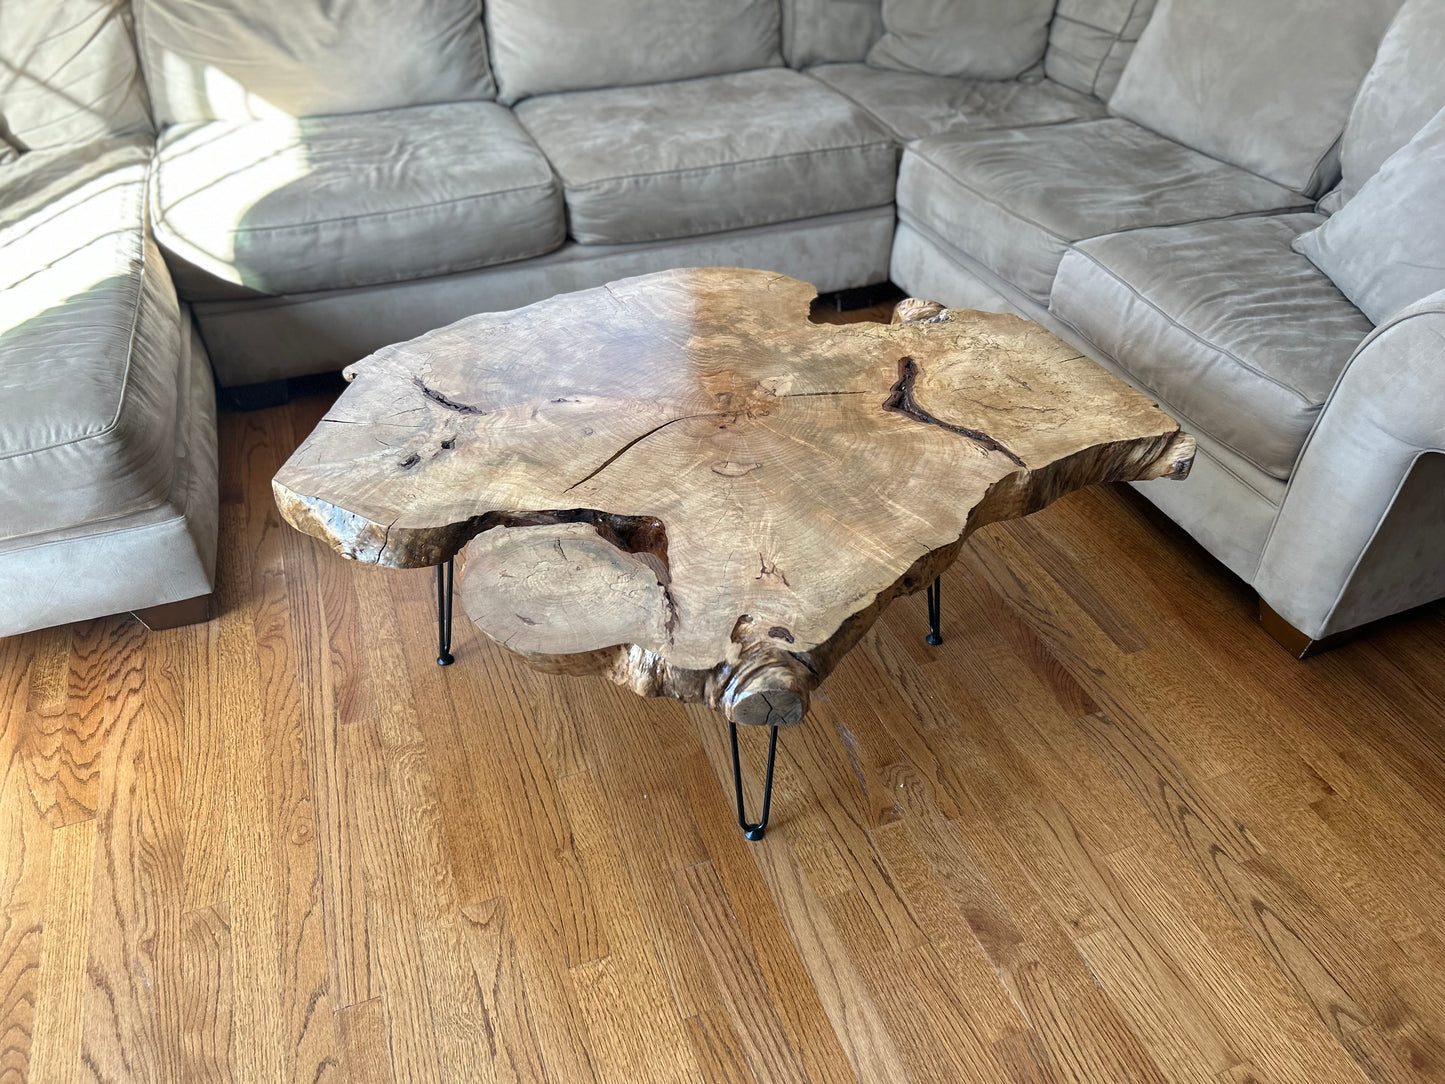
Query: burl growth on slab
[{"x": 679, "y": 481}]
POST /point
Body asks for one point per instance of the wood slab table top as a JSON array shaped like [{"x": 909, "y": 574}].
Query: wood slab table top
[{"x": 680, "y": 481}]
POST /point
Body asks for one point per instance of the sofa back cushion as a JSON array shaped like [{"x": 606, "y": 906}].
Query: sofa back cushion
[
  {"x": 1385, "y": 249},
  {"x": 830, "y": 31},
  {"x": 235, "y": 59},
  {"x": 970, "y": 39},
  {"x": 68, "y": 73},
  {"x": 1091, "y": 40},
  {"x": 544, "y": 46},
  {"x": 1263, "y": 84},
  {"x": 1404, "y": 88}
]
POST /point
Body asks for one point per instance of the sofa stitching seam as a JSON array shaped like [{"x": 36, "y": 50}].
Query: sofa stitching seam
[
  {"x": 895, "y": 139},
  {"x": 1085, "y": 22},
  {"x": 1118, "y": 37},
  {"x": 546, "y": 186},
  {"x": 786, "y": 217},
  {"x": 888, "y": 144}
]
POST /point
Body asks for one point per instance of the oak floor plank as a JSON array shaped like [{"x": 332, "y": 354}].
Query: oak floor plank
[
  {"x": 850, "y": 801},
  {"x": 362, "y": 1041},
  {"x": 716, "y": 1049},
  {"x": 459, "y": 1021},
  {"x": 635, "y": 1029},
  {"x": 1084, "y": 1038},
  {"x": 1024, "y": 1059},
  {"x": 951, "y": 937},
  {"x": 932, "y": 1032},
  {"x": 842, "y": 995},
  {"x": 1218, "y": 849},
  {"x": 439, "y": 718},
  {"x": 286, "y": 696},
  {"x": 547, "y": 913},
  {"x": 131, "y": 1003},
  {"x": 203, "y": 774},
  {"x": 55, "y": 1052},
  {"x": 654, "y": 830},
  {"x": 520, "y": 1044},
  {"x": 1144, "y": 957},
  {"x": 973, "y": 849},
  {"x": 208, "y": 1051},
  {"x": 25, "y": 843},
  {"x": 392, "y": 932},
  {"x": 1295, "y": 1045},
  {"x": 800, "y": 1003},
  {"x": 759, "y": 1031}
]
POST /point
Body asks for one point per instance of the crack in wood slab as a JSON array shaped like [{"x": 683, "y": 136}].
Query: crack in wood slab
[
  {"x": 443, "y": 400},
  {"x": 635, "y": 441},
  {"x": 901, "y": 401}
]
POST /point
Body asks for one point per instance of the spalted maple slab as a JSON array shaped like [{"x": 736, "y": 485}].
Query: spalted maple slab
[{"x": 681, "y": 482}]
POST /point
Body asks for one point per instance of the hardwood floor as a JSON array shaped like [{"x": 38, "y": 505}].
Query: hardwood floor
[{"x": 1108, "y": 832}]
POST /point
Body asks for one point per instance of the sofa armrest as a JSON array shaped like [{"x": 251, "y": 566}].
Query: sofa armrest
[{"x": 1361, "y": 532}]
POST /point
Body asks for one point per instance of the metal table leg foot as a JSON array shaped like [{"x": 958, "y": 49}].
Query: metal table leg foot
[
  {"x": 445, "y": 575},
  {"x": 753, "y": 831}
]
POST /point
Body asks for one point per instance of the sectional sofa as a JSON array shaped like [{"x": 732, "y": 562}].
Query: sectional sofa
[{"x": 323, "y": 180}]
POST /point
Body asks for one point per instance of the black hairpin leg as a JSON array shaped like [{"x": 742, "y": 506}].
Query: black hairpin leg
[
  {"x": 445, "y": 575},
  {"x": 935, "y": 612},
  {"x": 754, "y": 831}
]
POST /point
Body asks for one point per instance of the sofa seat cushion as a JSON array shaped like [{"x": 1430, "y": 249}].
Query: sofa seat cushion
[
  {"x": 912, "y": 105},
  {"x": 1012, "y": 200},
  {"x": 89, "y": 341},
  {"x": 1230, "y": 328},
  {"x": 291, "y": 204},
  {"x": 707, "y": 155}
]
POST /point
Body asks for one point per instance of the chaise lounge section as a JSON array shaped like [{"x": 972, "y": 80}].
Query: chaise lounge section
[{"x": 107, "y": 410}]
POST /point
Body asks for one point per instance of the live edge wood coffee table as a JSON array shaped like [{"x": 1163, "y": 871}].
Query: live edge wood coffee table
[{"x": 682, "y": 483}]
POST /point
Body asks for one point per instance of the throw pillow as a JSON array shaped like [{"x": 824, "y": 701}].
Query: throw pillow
[
  {"x": 1385, "y": 249},
  {"x": 1403, "y": 89}
]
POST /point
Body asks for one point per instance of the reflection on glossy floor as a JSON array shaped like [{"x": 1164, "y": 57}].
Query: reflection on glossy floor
[{"x": 1107, "y": 832}]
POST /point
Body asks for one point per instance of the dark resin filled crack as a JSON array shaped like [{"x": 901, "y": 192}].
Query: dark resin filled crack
[{"x": 900, "y": 400}]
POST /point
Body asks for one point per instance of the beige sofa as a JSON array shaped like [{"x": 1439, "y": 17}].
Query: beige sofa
[{"x": 324, "y": 185}]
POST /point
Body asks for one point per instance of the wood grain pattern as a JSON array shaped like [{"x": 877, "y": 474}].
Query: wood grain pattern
[
  {"x": 681, "y": 482},
  {"x": 1106, "y": 833}
]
